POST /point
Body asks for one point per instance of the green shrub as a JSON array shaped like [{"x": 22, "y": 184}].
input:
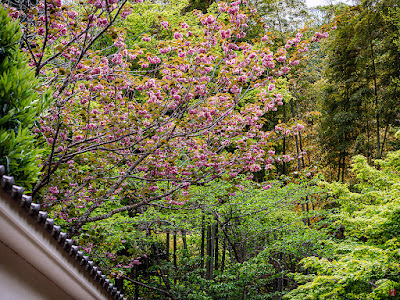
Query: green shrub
[{"x": 19, "y": 106}]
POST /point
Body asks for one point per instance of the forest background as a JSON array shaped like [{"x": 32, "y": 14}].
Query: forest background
[{"x": 201, "y": 150}]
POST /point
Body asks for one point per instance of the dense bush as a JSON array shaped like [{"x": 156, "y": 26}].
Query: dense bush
[
  {"x": 365, "y": 265},
  {"x": 19, "y": 106}
]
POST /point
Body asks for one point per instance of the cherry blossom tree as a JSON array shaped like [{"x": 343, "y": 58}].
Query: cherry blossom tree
[{"x": 132, "y": 127}]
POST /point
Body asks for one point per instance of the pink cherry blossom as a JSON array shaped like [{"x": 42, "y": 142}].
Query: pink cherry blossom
[
  {"x": 165, "y": 25},
  {"x": 177, "y": 35}
]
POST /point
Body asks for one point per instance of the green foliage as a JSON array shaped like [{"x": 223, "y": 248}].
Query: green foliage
[
  {"x": 145, "y": 19},
  {"x": 366, "y": 264},
  {"x": 250, "y": 279},
  {"x": 19, "y": 106},
  {"x": 263, "y": 234},
  {"x": 198, "y": 4},
  {"x": 360, "y": 272}
]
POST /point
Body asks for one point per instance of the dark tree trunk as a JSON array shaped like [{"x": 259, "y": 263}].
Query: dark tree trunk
[
  {"x": 297, "y": 141},
  {"x": 210, "y": 256},
  {"x": 223, "y": 255},
  {"x": 184, "y": 241},
  {"x": 385, "y": 136},
  {"x": 339, "y": 166},
  {"x": 301, "y": 148},
  {"x": 369, "y": 152},
  {"x": 163, "y": 276},
  {"x": 216, "y": 246},
  {"x": 343, "y": 166},
  {"x": 284, "y": 140},
  {"x": 302, "y": 210},
  {"x": 202, "y": 245},
  {"x": 378, "y": 140},
  {"x": 167, "y": 245},
  {"x": 174, "y": 255}
]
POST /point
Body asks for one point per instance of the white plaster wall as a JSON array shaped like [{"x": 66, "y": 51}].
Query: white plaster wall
[
  {"x": 34, "y": 266},
  {"x": 19, "y": 280}
]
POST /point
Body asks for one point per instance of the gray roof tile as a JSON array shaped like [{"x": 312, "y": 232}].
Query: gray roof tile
[{"x": 33, "y": 209}]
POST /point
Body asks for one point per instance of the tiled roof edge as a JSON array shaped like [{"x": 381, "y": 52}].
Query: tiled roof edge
[{"x": 33, "y": 209}]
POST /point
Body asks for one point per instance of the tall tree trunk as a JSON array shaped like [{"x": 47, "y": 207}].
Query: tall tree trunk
[
  {"x": 174, "y": 254},
  {"x": 297, "y": 141},
  {"x": 369, "y": 152},
  {"x": 167, "y": 245},
  {"x": 232, "y": 250},
  {"x": 378, "y": 141},
  {"x": 216, "y": 246},
  {"x": 384, "y": 137},
  {"x": 223, "y": 255},
  {"x": 210, "y": 251},
  {"x": 339, "y": 165},
  {"x": 301, "y": 148},
  {"x": 343, "y": 166},
  {"x": 300, "y": 162},
  {"x": 284, "y": 141},
  {"x": 302, "y": 210},
  {"x": 184, "y": 240},
  {"x": 163, "y": 276},
  {"x": 202, "y": 245}
]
